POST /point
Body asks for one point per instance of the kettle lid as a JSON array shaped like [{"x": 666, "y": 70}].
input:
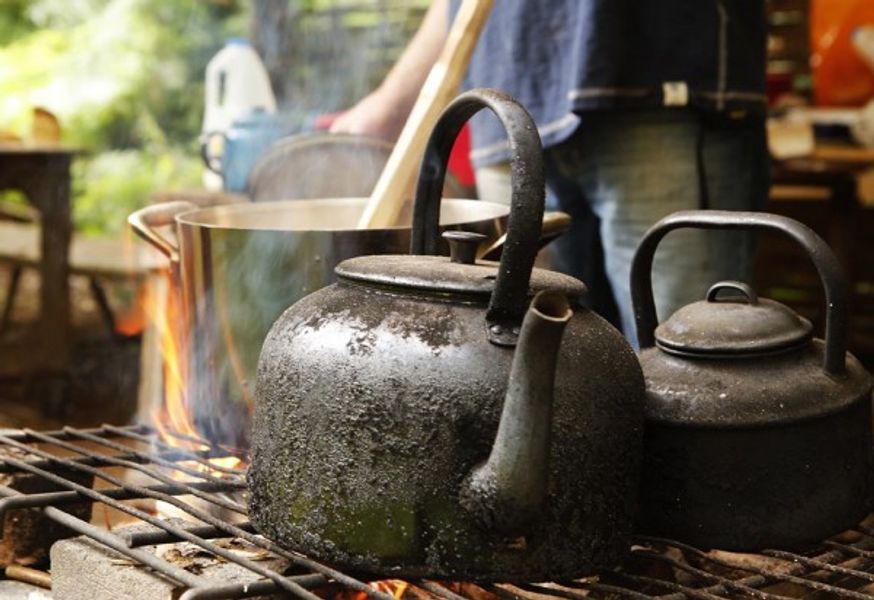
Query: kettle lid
[
  {"x": 460, "y": 275},
  {"x": 734, "y": 326}
]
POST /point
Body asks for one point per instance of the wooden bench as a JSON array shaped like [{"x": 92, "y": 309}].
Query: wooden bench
[{"x": 97, "y": 258}]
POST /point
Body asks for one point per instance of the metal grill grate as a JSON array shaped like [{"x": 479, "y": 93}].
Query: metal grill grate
[{"x": 842, "y": 567}]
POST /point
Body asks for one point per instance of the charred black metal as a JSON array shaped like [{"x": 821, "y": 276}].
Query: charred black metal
[
  {"x": 834, "y": 281},
  {"x": 752, "y": 427},
  {"x": 527, "y": 198}
]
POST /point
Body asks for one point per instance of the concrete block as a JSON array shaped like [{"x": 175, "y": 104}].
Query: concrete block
[{"x": 83, "y": 569}]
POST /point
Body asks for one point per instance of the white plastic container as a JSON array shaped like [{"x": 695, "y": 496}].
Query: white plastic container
[{"x": 236, "y": 84}]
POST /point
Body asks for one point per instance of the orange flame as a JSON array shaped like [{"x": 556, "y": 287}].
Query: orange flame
[
  {"x": 130, "y": 320},
  {"x": 164, "y": 313},
  {"x": 395, "y": 587},
  {"x": 172, "y": 415}
]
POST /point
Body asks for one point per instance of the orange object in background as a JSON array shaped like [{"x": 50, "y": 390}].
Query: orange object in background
[{"x": 840, "y": 76}]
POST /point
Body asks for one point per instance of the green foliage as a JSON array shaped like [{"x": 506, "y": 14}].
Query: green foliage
[
  {"x": 125, "y": 78},
  {"x": 114, "y": 183},
  {"x": 14, "y": 21}
]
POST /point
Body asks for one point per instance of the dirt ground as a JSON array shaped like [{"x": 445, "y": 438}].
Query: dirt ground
[{"x": 102, "y": 384}]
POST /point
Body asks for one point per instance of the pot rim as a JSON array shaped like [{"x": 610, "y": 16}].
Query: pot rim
[{"x": 225, "y": 216}]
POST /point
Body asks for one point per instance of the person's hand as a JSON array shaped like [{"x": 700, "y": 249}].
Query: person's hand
[{"x": 376, "y": 115}]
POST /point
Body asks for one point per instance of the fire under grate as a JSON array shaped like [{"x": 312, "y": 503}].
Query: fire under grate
[{"x": 192, "y": 482}]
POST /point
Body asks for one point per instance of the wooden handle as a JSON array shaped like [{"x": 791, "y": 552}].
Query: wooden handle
[
  {"x": 386, "y": 201},
  {"x": 555, "y": 223}
]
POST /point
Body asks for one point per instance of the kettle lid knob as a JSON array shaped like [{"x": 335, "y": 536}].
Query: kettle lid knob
[
  {"x": 463, "y": 245},
  {"x": 740, "y": 324}
]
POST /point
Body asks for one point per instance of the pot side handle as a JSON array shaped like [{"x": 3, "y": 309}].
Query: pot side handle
[
  {"x": 509, "y": 300},
  {"x": 831, "y": 274},
  {"x": 145, "y": 220}
]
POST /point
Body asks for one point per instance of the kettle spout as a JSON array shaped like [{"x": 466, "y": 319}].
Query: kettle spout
[{"x": 510, "y": 488}]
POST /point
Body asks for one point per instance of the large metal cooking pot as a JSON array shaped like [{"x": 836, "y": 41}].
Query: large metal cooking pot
[
  {"x": 757, "y": 435},
  {"x": 383, "y": 440},
  {"x": 240, "y": 265}
]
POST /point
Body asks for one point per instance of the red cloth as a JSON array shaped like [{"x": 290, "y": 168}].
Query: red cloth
[{"x": 459, "y": 159}]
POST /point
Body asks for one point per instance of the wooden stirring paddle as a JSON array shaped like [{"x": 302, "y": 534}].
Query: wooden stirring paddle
[{"x": 386, "y": 201}]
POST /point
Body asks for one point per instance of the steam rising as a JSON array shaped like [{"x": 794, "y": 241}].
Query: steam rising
[
  {"x": 324, "y": 60},
  {"x": 320, "y": 61}
]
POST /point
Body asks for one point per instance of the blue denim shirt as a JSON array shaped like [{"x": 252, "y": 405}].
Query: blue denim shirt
[{"x": 561, "y": 58}]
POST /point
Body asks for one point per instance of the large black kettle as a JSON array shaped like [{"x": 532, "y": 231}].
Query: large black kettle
[
  {"x": 409, "y": 423},
  {"x": 757, "y": 435}
]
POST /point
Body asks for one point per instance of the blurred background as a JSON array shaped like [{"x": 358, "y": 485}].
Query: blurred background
[
  {"x": 117, "y": 89},
  {"x": 126, "y": 78}
]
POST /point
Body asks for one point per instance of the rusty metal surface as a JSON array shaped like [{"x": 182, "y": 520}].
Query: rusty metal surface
[
  {"x": 742, "y": 448},
  {"x": 374, "y": 406},
  {"x": 778, "y": 390},
  {"x": 769, "y": 486},
  {"x": 439, "y": 275},
  {"x": 733, "y": 326},
  {"x": 527, "y": 196},
  {"x": 831, "y": 274}
]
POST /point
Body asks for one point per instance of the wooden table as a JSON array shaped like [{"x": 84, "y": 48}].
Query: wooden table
[
  {"x": 823, "y": 190},
  {"x": 42, "y": 174}
]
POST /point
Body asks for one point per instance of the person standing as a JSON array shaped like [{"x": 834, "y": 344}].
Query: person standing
[{"x": 645, "y": 107}]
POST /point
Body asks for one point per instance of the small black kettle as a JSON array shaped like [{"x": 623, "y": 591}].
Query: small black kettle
[{"x": 757, "y": 435}]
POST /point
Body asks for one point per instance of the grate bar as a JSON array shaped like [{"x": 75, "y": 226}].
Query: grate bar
[
  {"x": 845, "y": 549},
  {"x": 98, "y": 460},
  {"x": 724, "y": 582},
  {"x": 818, "y": 564},
  {"x": 135, "y": 512},
  {"x": 439, "y": 590},
  {"x": 108, "y": 539},
  {"x": 570, "y": 594},
  {"x": 251, "y": 590},
  {"x": 837, "y": 564},
  {"x": 225, "y": 450},
  {"x": 198, "y": 514},
  {"x": 217, "y": 500},
  {"x": 154, "y": 440},
  {"x": 154, "y": 538},
  {"x": 684, "y": 591},
  {"x": 500, "y": 592},
  {"x": 64, "y": 498},
  {"x": 21, "y": 435},
  {"x": 763, "y": 576},
  {"x": 157, "y": 460},
  {"x": 613, "y": 591}
]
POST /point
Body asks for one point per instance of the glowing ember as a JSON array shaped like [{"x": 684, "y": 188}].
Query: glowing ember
[
  {"x": 395, "y": 587},
  {"x": 131, "y": 321}
]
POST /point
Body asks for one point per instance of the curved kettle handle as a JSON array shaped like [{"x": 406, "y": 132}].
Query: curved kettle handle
[
  {"x": 509, "y": 299},
  {"x": 831, "y": 274}
]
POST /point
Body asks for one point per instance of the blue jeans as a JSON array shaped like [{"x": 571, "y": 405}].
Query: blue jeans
[{"x": 622, "y": 171}]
